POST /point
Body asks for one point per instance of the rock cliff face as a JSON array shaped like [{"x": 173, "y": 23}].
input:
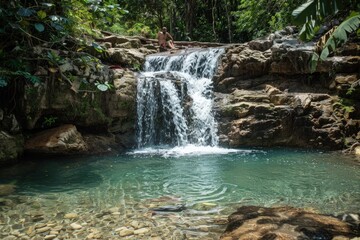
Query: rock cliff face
[
  {"x": 102, "y": 121},
  {"x": 266, "y": 95}
]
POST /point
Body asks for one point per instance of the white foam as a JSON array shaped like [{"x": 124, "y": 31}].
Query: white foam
[{"x": 190, "y": 149}]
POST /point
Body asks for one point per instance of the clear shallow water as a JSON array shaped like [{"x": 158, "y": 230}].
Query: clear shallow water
[{"x": 324, "y": 181}]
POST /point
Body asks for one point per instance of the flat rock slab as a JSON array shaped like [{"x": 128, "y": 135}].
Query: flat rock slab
[{"x": 253, "y": 222}]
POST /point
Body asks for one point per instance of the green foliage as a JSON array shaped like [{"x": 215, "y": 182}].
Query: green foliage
[
  {"x": 118, "y": 28},
  {"x": 345, "y": 104},
  {"x": 49, "y": 121},
  {"x": 317, "y": 10},
  {"x": 53, "y": 25},
  {"x": 313, "y": 13},
  {"x": 141, "y": 29},
  {"x": 339, "y": 36},
  {"x": 256, "y": 18},
  {"x": 103, "y": 86}
]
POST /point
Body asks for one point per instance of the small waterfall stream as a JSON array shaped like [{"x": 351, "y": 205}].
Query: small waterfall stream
[{"x": 175, "y": 98}]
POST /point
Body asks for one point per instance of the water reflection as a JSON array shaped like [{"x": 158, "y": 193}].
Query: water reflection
[{"x": 266, "y": 177}]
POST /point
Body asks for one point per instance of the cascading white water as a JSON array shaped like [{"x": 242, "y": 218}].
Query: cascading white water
[{"x": 174, "y": 99}]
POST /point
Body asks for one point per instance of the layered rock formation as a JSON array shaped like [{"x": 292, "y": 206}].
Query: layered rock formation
[{"x": 267, "y": 96}]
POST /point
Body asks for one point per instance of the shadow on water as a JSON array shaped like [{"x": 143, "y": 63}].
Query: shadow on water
[{"x": 53, "y": 174}]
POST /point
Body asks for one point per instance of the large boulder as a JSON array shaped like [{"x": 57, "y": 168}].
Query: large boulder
[
  {"x": 63, "y": 140},
  {"x": 258, "y": 223},
  {"x": 126, "y": 57}
]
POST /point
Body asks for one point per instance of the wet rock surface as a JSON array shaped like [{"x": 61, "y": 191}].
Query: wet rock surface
[{"x": 253, "y": 222}]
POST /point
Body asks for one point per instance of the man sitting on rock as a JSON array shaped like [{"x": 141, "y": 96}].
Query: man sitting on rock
[{"x": 165, "y": 40}]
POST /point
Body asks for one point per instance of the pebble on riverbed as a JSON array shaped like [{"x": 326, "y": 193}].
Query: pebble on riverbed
[{"x": 59, "y": 217}]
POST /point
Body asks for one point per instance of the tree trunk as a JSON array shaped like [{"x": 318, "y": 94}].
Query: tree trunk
[
  {"x": 189, "y": 16},
  {"x": 228, "y": 17},
  {"x": 213, "y": 19}
]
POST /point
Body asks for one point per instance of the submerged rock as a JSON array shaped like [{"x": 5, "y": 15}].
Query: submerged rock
[
  {"x": 253, "y": 222},
  {"x": 7, "y": 189},
  {"x": 174, "y": 208}
]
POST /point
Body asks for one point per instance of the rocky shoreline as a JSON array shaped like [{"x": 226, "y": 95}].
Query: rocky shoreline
[
  {"x": 60, "y": 216},
  {"x": 66, "y": 216}
]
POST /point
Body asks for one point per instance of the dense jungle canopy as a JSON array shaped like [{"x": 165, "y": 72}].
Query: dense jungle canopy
[{"x": 72, "y": 24}]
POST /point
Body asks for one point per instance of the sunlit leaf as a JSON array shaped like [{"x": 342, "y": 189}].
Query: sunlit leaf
[
  {"x": 47, "y": 4},
  {"x": 39, "y": 27},
  {"x": 97, "y": 47},
  {"x": 55, "y": 18},
  {"x": 304, "y": 12},
  {"x": 308, "y": 31},
  {"x": 102, "y": 87},
  {"x": 41, "y": 14},
  {"x": 324, "y": 54},
  {"x": 53, "y": 70}
]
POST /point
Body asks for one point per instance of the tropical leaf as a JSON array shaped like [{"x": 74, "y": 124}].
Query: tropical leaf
[
  {"x": 25, "y": 12},
  {"x": 97, "y": 47},
  {"x": 304, "y": 12},
  {"x": 314, "y": 61},
  {"x": 47, "y": 4},
  {"x": 28, "y": 76},
  {"x": 324, "y": 53},
  {"x": 334, "y": 38},
  {"x": 41, "y": 14},
  {"x": 339, "y": 36},
  {"x": 308, "y": 31},
  {"x": 102, "y": 87},
  {"x": 316, "y": 10},
  {"x": 39, "y": 27}
]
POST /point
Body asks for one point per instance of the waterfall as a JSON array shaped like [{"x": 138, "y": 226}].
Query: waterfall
[{"x": 175, "y": 98}]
